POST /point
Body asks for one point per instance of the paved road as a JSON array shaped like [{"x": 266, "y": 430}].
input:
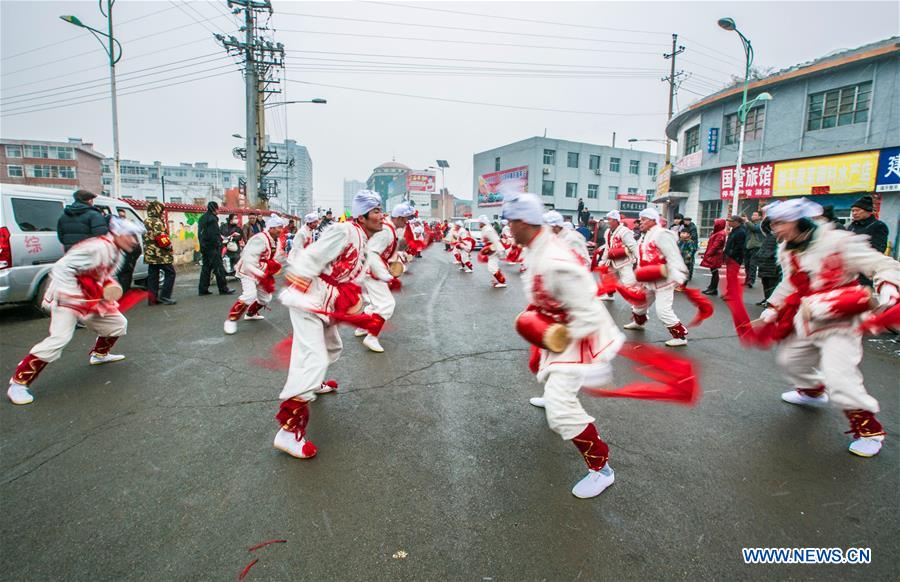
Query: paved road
[{"x": 161, "y": 467}]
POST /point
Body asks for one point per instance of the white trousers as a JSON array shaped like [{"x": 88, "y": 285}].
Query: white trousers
[
  {"x": 493, "y": 263},
  {"x": 315, "y": 346},
  {"x": 662, "y": 300},
  {"x": 62, "y": 327},
  {"x": 625, "y": 274},
  {"x": 832, "y": 360},
  {"x": 565, "y": 415},
  {"x": 251, "y": 292},
  {"x": 379, "y": 297}
]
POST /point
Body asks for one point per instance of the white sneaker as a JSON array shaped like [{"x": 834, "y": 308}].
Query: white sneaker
[
  {"x": 256, "y": 317},
  {"x": 794, "y": 397},
  {"x": 373, "y": 344},
  {"x": 633, "y": 325},
  {"x": 866, "y": 446},
  {"x": 499, "y": 285},
  {"x": 360, "y": 332},
  {"x": 461, "y": 267},
  {"x": 19, "y": 394},
  {"x": 538, "y": 401},
  {"x": 230, "y": 327},
  {"x": 594, "y": 483},
  {"x": 468, "y": 270},
  {"x": 325, "y": 389},
  {"x": 676, "y": 341},
  {"x": 287, "y": 442},
  {"x": 607, "y": 298},
  {"x": 97, "y": 359}
]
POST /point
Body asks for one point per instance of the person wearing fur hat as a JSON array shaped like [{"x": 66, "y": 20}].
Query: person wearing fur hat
[
  {"x": 620, "y": 250},
  {"x": 821, "y": 340},
  {"x": 323, "y": 290},
  {"x": 83, "y": 288},
  {"x": 492, "y": 249},
  {"x": 562, "y": 292},
  {"x": 660, "y": 270},
  {"x": 379, "y": 281},
  {"x": 256, "y": 270}
]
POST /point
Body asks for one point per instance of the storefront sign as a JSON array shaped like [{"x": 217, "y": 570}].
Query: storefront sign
[
  {"x": 690, "y": 161},
  {"x": 712, "y": 142},
  {"x": 756, "y": 181},
  {"x": 632, "y": 206},
  {"x": 841, "y": 174},
  {"x": 888, "y": 178},
  {"x": 420, "y": 182},
  {"x": 663, "y": 180},
  {"x": 514, "y": 179},
  {"x": 631, "y": 197}
]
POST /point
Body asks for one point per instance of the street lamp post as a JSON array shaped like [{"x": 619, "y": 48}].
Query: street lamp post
[
  {"x": 729, "y": 25},
  {"x": 317, "y": 101},
  {"x": 113, "y": 59}
]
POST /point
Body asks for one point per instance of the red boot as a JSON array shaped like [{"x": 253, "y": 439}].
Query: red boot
[
  {"x": 26, "y": 372},
  {"x": 592, "y": 448},
  {"x": 679, "y": 335},
  {"x": 291, "y": 438}
]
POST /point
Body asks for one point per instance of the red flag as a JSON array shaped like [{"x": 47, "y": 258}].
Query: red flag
[
  {"x": 704, "y": 306},
  {"x": 131, "y": 298}
]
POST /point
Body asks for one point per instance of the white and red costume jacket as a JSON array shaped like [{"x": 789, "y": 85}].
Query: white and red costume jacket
[
  {"x": 577, "y": 243},
  {"x": 464, "y": 241},
  {"x": 382, "y": 250},
  {"x": 823, "y": 276},
  {"x": 336, "y": 259},
  {"x": 78, "y": 278},
  {"x": 506, "y": 237},
  {"x": 491, "y": 241},
  {"x": 621, "y": 249},
  {"x": 558, "y": 285},
  {"x": 659, "y": 246},
  {"x": 257, "y": 256},
  {"x": 302, "y": 239}
]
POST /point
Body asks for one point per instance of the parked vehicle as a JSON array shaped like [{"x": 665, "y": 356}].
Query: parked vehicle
[{"x": 28, "y": 243}]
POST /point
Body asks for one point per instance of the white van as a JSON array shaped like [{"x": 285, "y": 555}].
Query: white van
[{"x": 28, "y": 243}]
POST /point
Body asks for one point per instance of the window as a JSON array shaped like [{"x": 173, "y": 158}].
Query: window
[
  {"x": 33, "y": 151},
  {"x": 175, "y": 199},
  {"x": 709, "y": 212},
  {"x": 592, "y": 190},
  {"x": 107, "y": 181},
  {"x": 632, "y": 190},
  {"x": 652, "y": 169},
  {"x": 572, "y": 160},
  {"x": 614, "y": 164},
  {"x": 36, "y": 215},
  {"x": 151, "y": 198},
  {"x": 594, "y": 162},
  {"x": 40, "y": 171},
  {"x": 61, "y": 153},
  {"x": 571, "y": 189},
  {"x": 549, "y": 157},
  {"x": 497, "y": 164},
  {"x": 650, "y": 193},
  {"x": 634, "y": 167},
  {"x": 842, "y": 106},
  {"x": 756, "y": 119},
  {"x": 547, "y": 188},
  {"x": 199, "y": 175},
  {"x": 13, "y": 151},
  {"x": 15, "y": 171},
  {"x": 692, "y": 140},
  {"x": 613, "y": 192}
]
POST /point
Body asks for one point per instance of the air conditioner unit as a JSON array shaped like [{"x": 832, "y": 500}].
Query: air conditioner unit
[
  {"x": 598, "y": 171},
  {"x": 546, "y": 171}
]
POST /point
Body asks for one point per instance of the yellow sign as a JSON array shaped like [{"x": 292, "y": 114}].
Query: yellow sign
[
  {"x": 663, "y": 180},
  {"x": 831, "y": 175}
]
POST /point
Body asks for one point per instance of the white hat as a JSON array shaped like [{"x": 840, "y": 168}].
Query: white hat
[
  {"x": 792, "y": 210},
  {"x": 504, "y": 222},
  {"x": 524, "y": 206},
  {"x": 650, "y": 213},
  {"x": 483, "y": 219},
  {"x": 122, "y": 227},
  {"x": 458, "y": 223},
  {"x": 311, "y": 218},
  {"x": 553, "y": 218},
  {"x": 613, "y": 215},
  {"x": 363, "y": 202},
  {"x": 275, "y": 221},
  {"x": 569, "y": 225},
  {"x": 403, "y": 210}
]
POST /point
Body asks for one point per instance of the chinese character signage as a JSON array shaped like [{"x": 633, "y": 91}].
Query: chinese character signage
[
  {"x": 663, "y": 180},
  {"x": 513, "y": 180},
  {"x": 689, "y": 161},
  {"x": 631, "y": 197},
  {"x": 420, "y": 182},
  {"x": 756, "y": 181},
  {"x": 632, "y": 206},
  {"x": 844, "y": 174},
  {"x": 712, "y": 143},
  {"x": 888, "y": 178}
]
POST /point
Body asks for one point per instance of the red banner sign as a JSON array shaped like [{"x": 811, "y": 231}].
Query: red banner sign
[
  {"x": 513, "y": 179},
  {"x": 756, "y": 181},
  {"x": 419, "y": 182},
  {"x": 631, "y": 197}
]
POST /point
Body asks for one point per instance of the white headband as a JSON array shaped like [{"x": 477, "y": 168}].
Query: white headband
[
  {"x": 524, "y": 206},
  {"x": 275, "y": 221},
  {"x": 365, "y": 201},
  {"x": 650, "y": 213},
  {"x": 122, "y": 227},
  {"x": 553, "y": 218},
  {"x": 613, "y": 215},
  {"x": 310, "y": 218}
]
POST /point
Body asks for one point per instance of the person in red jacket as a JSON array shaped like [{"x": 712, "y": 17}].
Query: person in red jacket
[{"x": 714, "y": 257}]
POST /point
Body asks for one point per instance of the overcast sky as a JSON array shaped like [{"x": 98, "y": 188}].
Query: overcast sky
[{"x": 597, "y": 64}]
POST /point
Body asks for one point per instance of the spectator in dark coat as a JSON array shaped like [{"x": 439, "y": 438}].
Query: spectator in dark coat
[
  {"x": 736, "y": 241},
  {"x": 766, "y": 261},
  {"x": 687, "y": 223},
  {"x": 864, "y": 222},
  {"x": 754, "y": 241},
  {"x": 211, "y": 247},
  {"x": 714, "y": 257},
  {"x": 80, "y": 220}
]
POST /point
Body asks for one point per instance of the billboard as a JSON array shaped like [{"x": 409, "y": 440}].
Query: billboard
[
  {"x": 888, "y": 179},
  {"x": 843, "y": 174},
  {"x": 631, "y": 197},
  {"x": 420, "y": 182},
  {"x": 756, "y": 181},
  {"x": 488, "y": 185}
]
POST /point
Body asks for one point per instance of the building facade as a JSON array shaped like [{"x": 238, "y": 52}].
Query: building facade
[
  {"x": 829, "y": 133},
  {"x": 562, "y": 172},
  {"x": 351, "y": 187},
  {"x": 185, "y": 183},
  {"x": 69, "y": 165},
  {"x": 294, "y": 179},
  {"x": 388, "y": 179}
]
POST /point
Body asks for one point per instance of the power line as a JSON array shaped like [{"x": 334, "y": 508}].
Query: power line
[
  {"x": 468, "y": 42},
  {"x": 446, "y": 99},
  {"x": 424, "y": 73}
]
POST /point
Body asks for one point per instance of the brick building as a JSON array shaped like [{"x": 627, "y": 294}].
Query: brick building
[{"x": 67, "y": 165}]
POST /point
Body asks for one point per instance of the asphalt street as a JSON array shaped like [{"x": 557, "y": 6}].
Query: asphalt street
[{"x": 432, "y": 465}]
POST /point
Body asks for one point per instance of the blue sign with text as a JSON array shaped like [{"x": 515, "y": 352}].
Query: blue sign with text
[
  {"x": 888, "y": 178},
  {"x": 712, "y": 144}
]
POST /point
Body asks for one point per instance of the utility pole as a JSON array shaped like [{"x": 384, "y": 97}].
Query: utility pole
[{"x": 672, "y": 79}]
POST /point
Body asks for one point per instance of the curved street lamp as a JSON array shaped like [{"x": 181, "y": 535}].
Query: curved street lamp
[
  {"x": 317, "y": 101},
  {"x": 113, "y": 59}
]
